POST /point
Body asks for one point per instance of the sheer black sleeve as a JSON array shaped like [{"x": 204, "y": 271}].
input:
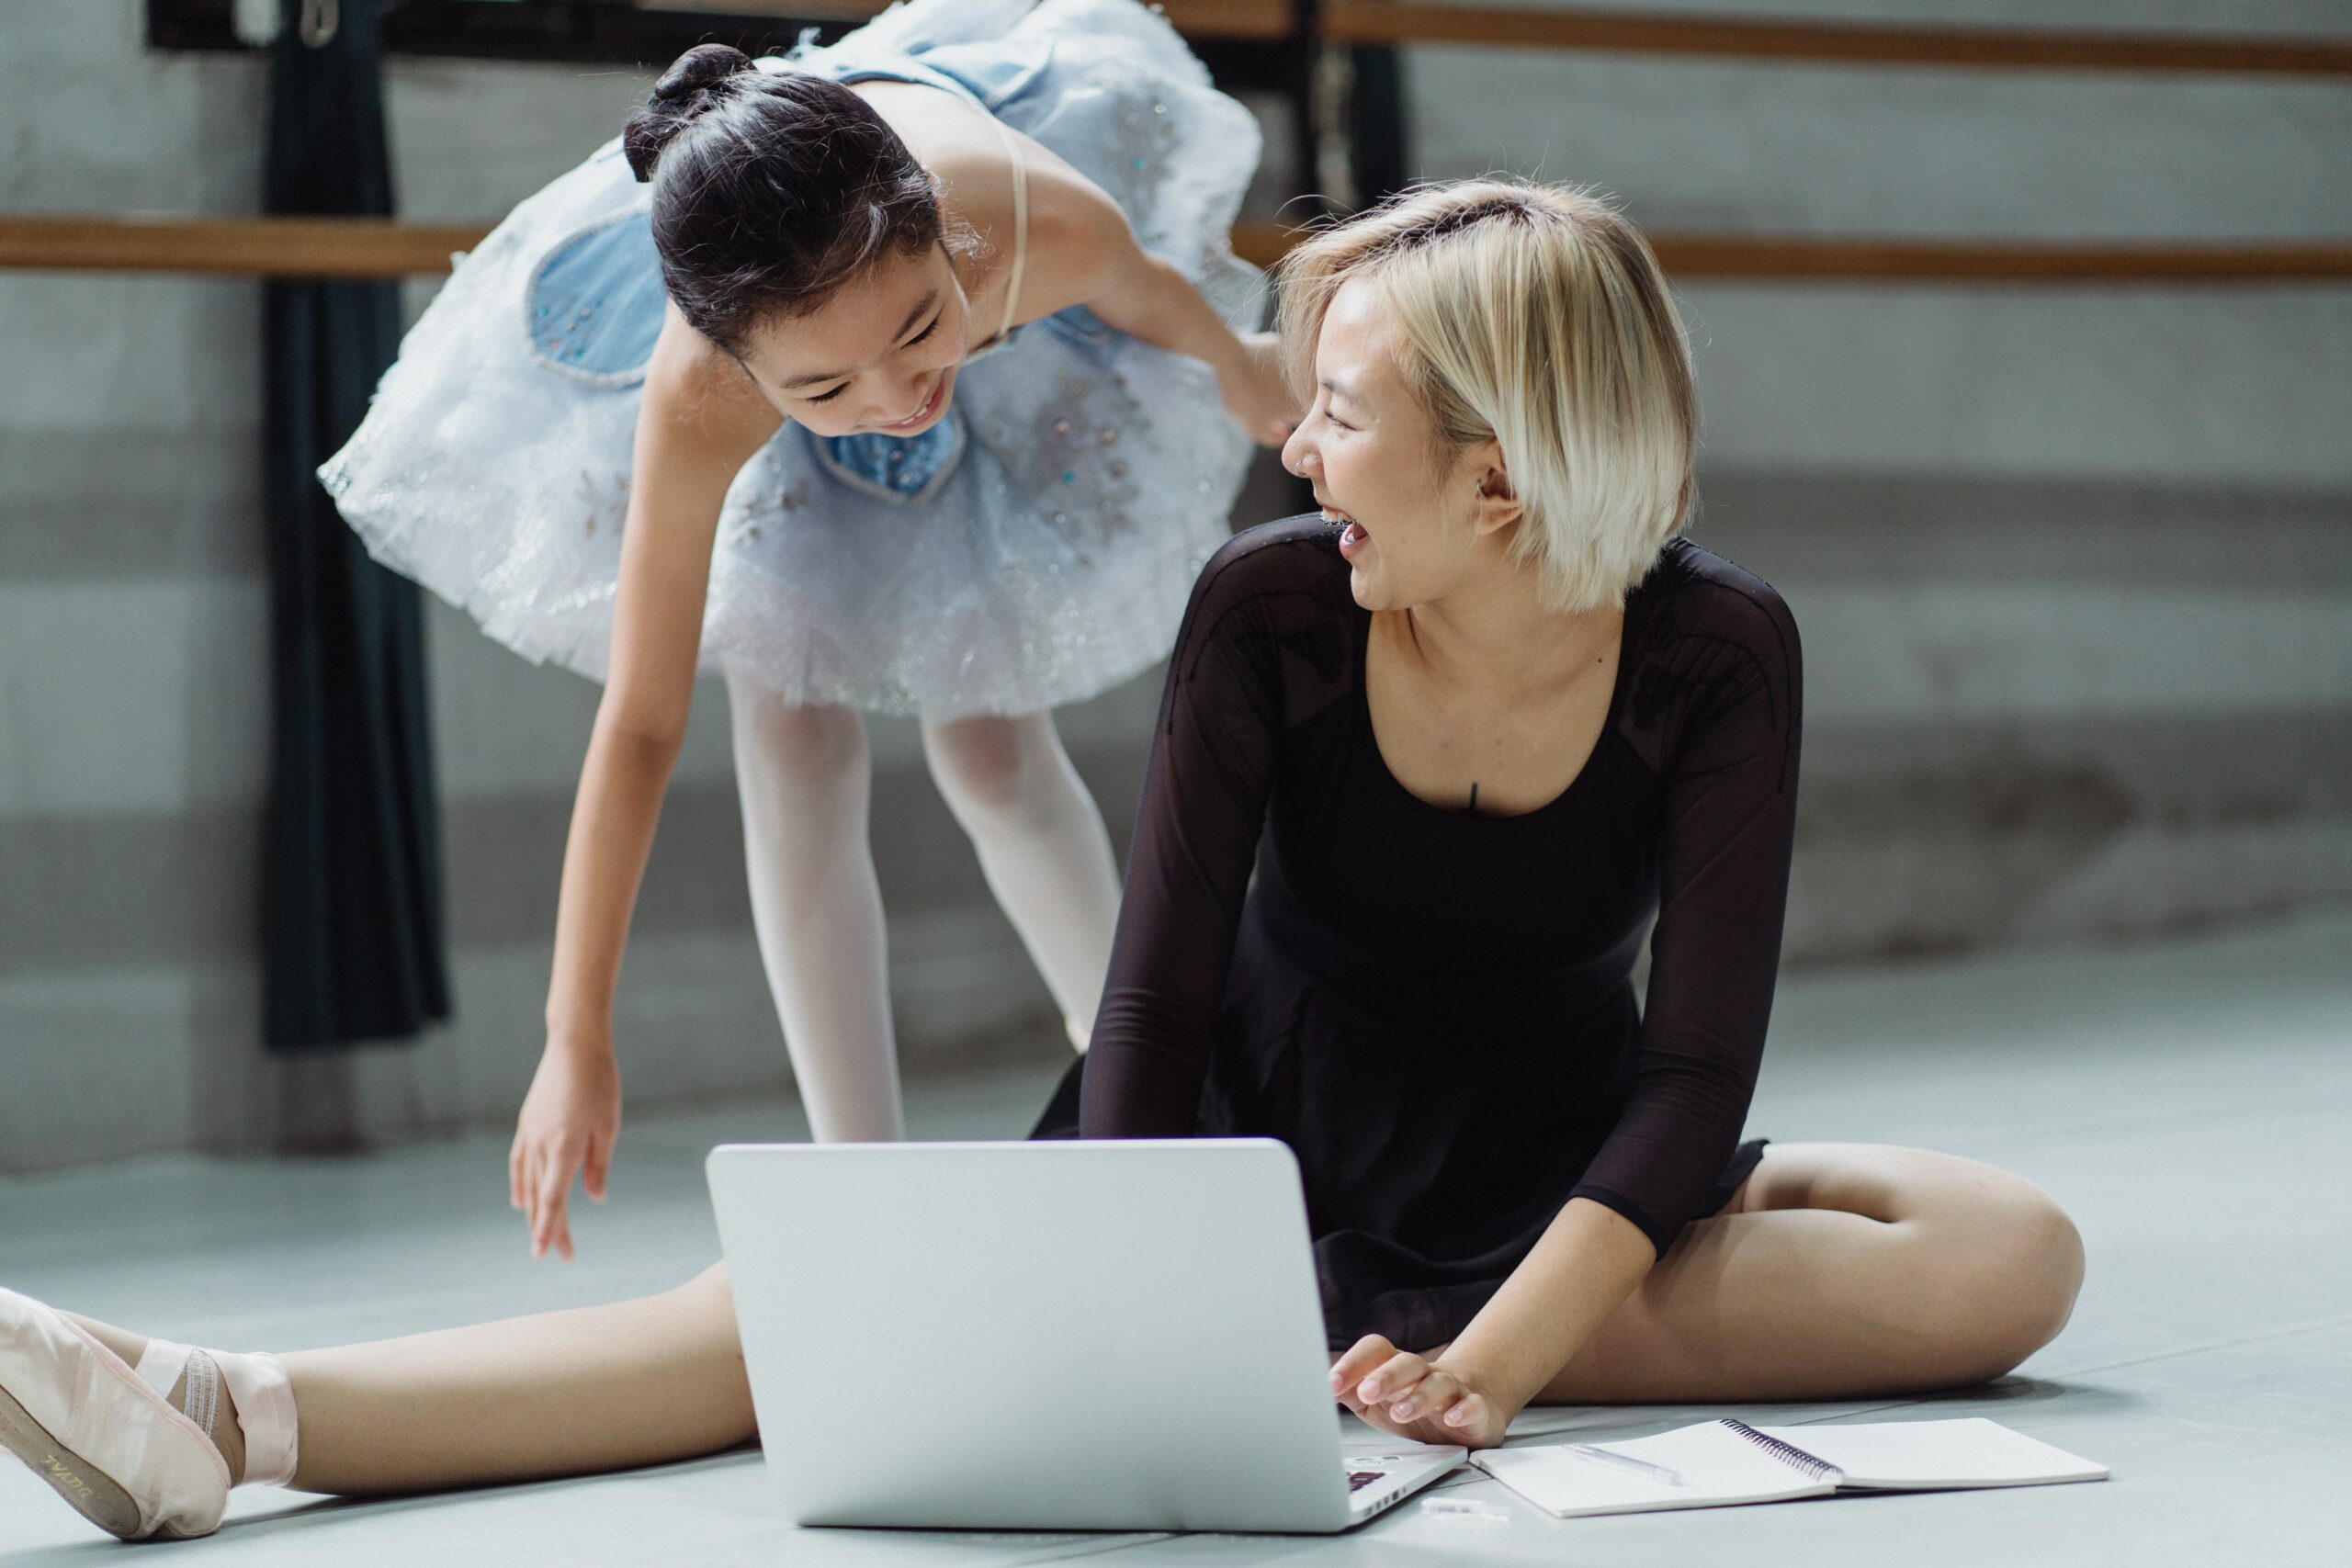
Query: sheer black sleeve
[
  {"x": 1720, "y": 691},
  {"x": 1221, "y": 719}
]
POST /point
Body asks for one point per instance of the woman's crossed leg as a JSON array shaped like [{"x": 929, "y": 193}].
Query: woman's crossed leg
[
  {"x": 1837, "y": 1271},
  {"x": 1841, "y": 1270}
]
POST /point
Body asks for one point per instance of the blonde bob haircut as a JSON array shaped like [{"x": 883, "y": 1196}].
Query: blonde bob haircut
[{"x": 1534, "y": 316}]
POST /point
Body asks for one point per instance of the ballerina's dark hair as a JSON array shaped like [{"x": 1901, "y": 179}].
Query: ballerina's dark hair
[{"x": 771, "y": 189}]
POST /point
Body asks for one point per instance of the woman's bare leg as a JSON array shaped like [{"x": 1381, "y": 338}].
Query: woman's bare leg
[
  {"x": 1842, "y": 1270},
  {"x": 1041, "y": 841},
  {"x": 558, "y": 1393}
]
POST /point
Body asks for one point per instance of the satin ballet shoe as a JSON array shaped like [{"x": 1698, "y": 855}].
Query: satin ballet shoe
[{"x": 76, "y": 1414}]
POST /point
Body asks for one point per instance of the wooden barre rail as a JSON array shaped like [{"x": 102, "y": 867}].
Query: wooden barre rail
[
  {"x": 375, "y": 247},
  {"x": 268, "y": 247},
  {"x": 1996, "y": 262},
  {"x": 1195, "y": 18},
  {"x": 1838, "y": 43},
  {"x": 1642, "y": 32}
]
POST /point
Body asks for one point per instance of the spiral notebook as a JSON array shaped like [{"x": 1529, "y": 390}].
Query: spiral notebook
[{"x": 1723, "y": 1463}]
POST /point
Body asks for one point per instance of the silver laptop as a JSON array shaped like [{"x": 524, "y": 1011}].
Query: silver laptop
[{"x": 1044, "y": 1336}]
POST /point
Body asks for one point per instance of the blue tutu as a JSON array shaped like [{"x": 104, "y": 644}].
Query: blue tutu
[{"x": 1032, "y": 548}]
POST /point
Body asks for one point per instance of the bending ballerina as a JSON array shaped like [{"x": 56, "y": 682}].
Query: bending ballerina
[
  {"x": 1473, "y": 728},
  {"x": 920, "y": 382}
]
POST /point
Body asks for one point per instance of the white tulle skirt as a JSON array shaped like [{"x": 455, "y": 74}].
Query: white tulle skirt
[{"x": 1033, "y": 549}]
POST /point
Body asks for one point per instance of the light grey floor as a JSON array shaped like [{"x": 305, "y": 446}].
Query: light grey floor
[{"x": 2189, "y": 1103}]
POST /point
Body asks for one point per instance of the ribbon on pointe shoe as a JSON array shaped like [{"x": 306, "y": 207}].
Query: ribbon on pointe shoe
[{"x": 258, "y": 1387}]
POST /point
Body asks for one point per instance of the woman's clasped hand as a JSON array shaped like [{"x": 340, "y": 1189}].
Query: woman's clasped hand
[{"x": 1424, "y": 1398}]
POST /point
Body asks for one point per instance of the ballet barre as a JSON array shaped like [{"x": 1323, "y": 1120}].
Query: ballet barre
[
  {"x": 1612, "y": 31},
  {"x": 1829, "y": 43},
  {"x": 1193, "y": 18},
  {"x": 267, "y": 247},
  {"x": 1796, "y": 40},
  {"x": 379, "y": 247},
  {"x": 1297, "y": 31}
]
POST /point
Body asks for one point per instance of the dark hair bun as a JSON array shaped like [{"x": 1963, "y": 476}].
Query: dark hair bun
[
  {"x": 695, "y": 81},
  {"x": 774, "y": 190},
  {"x": 702, "y": 66}
]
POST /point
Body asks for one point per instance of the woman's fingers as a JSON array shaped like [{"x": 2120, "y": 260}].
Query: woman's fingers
[
  {"x": 1400, "y": 1376},
  {"x": 1361, "y": 1357},
  {"x": 1374, "y": 1377},
  {"x": 1430, "y": 1395},
  {"x": 1468, "y": 1414},
  {"x": 1400, "y": 1373},
  {"x": 1410, "y": 1395},
  {"x": 514, "y": 1173}
]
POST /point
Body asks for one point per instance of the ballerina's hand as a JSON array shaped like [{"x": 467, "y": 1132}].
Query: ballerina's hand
[
  {"x": 570, "y": 1119},
  {"x": 1256, "y": 393},
  {"x": 1415, "y": 1397}
]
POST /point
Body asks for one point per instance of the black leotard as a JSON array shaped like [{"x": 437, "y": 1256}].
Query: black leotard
[{"x": 1435, "y": 1008}]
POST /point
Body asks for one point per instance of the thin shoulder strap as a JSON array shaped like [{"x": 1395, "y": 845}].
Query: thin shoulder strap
[{"x": 1019, "y": 223}]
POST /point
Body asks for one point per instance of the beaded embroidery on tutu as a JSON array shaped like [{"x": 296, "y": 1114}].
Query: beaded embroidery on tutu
[{"x": 1031, "y": 549}]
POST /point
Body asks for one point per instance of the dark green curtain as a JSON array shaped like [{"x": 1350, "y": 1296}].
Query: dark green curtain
[
  {"x": 353, "y": 942},
  {"x": 1376, "y": 124}
]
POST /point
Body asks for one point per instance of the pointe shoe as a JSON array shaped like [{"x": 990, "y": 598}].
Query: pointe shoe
[{"x": 75, "y": 1412}]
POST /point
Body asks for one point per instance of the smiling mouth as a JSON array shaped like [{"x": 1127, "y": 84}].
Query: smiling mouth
[
  {"x": 929, "y": 406},
  {"x": 1353, "y": 534}
]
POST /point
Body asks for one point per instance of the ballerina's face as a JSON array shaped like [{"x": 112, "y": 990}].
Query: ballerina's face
[
  {"x": 880, "y": 356},
  {"x": 1372, "y": 451}
]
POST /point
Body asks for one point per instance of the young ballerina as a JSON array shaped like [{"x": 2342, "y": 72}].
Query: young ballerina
[
  {"x": 1471, "y": 730},
  {"x": 784, "y": 420}
]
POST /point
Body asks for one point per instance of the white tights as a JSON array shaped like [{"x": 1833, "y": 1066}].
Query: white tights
[{"x": 804, "y": 775}]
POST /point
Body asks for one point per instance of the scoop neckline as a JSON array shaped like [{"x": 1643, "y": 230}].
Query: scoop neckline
[{"x": 1455, "y": 814}]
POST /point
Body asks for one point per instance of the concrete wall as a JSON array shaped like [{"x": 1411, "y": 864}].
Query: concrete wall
[{"x": 2072, "y": 565}]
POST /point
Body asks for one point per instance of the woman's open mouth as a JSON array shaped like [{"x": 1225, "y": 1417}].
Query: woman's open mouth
[
  {"x": 1353, "y": 538},
  {"x": 929, "y": 406}
]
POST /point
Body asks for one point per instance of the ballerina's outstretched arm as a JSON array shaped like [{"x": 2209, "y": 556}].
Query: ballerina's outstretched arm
[
  {"x": 698, "y": 424},
  {"x": 1146, "y": 297},
  {"x": 1084, "y": 252}
]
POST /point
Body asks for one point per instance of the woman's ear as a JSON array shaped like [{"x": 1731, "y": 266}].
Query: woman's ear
[{"x": 1496, "y": 505}]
